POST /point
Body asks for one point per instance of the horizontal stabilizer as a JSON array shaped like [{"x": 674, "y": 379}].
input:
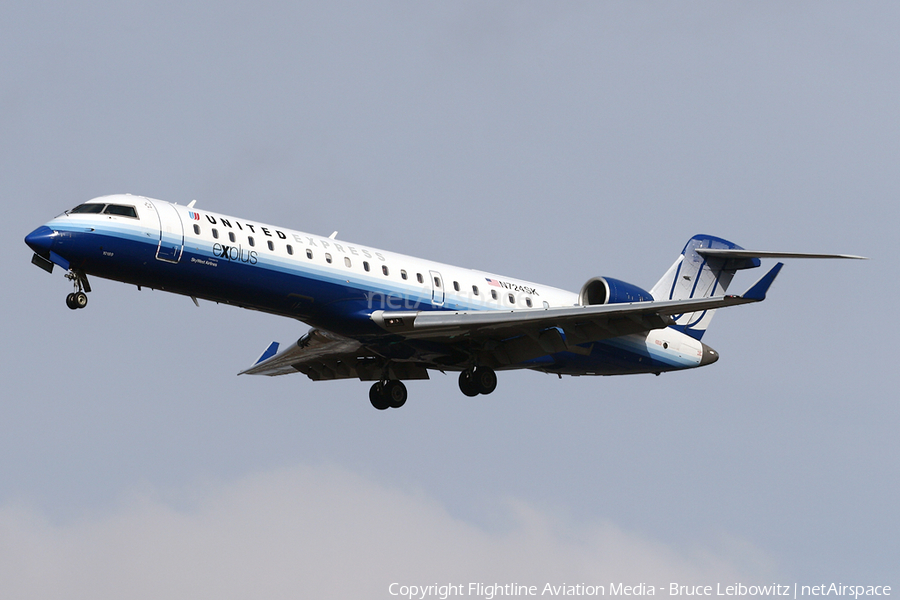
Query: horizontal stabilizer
[{"x": 723, "y": 253}]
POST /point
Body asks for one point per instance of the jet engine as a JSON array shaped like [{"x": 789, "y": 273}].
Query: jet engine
[{"x": 606, "y": 290}]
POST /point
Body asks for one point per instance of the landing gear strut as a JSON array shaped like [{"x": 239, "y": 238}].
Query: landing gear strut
[
  {"x": 78, "y": 298},
  {"x": 481, "y": 380},
  {"x": 387, "y": 394}
]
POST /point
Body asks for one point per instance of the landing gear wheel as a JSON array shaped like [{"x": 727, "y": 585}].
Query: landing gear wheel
[
  {"x": 387, "y": 394},
  {"x": 78, "y": 298},
  {"x": 377, "y": 397},
  {"x": 485, "y": 380},
  {"x": 481, "y": 380},
  {"x": 467, "y": 383},
  {"x": 395, "y": 392}
]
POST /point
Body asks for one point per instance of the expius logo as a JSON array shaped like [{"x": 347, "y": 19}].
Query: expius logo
[{"x": 235, "y": 253}]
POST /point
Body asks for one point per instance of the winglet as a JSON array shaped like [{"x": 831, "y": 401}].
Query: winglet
[
  {"x": 271, "y": 351},
  {"x": 759, "y": 289}
]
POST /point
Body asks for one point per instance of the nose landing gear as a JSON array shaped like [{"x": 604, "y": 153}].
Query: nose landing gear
[{"x": 78, "y": 298}]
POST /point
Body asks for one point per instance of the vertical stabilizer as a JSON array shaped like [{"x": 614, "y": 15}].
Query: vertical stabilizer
[{"x": 693, "y": 276}]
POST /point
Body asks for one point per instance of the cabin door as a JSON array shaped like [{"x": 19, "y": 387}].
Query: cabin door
[
  {"x": 437, "y": 288},
  {"x": 171, "y": 233}
]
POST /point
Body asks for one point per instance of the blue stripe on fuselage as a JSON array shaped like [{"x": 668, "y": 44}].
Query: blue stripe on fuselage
[{"x": 323, "y": 296}]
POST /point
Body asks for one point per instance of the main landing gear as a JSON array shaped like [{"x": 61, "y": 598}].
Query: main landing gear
[
  {"x": 387, "y": 394},
  {"x": 481, "y": 380},
  {"x": 391, "y": 393},
  {"x": 78, "y": 298}
]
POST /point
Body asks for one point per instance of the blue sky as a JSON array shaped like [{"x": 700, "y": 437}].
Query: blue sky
[{"x": 547, "y": 142}]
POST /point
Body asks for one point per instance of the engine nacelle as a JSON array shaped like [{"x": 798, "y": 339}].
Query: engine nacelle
[{"x": 606, "y": 290}]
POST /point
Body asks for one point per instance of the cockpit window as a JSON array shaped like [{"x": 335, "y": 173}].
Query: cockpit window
[
  {"x": 121, "y": 210},
  {"x": 87, "y": 209}
]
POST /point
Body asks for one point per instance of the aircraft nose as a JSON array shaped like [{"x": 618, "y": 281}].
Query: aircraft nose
[
  {"x": 709, "y": 355},
  {"x": 41, "y": 239}
]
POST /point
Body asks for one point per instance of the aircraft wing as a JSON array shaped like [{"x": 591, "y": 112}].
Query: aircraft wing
[
  {"x": 582, "y": 324},
  {"x": 507, "y": 337},
  {"x": 309, "y": 350},
  {"x": 321, "y": 354}
]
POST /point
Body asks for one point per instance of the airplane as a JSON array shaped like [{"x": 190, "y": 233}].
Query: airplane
[{"x": 389, "y": 318}]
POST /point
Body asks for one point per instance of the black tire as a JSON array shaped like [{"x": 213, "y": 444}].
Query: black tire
[
  {"x": 467, "y": 383},
  {"x": 70, "y": 301},
  {"x": 377, "y": 397},
  {"x": 485, "y": 380},
  {"x": 80, "y": 300},
  {"x": 395, "y": 393}
]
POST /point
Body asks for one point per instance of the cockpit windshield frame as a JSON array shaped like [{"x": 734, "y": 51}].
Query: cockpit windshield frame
[
  {"x": 120, "y": 210},
  {"x": 88, "y": 208},
  {"x": 96, "y": 208}
]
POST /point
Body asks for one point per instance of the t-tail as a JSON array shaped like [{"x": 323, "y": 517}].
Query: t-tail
[{"x": 705, "y": 269}]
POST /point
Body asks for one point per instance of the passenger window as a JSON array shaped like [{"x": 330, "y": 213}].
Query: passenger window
[
  {"x": 494, "y": 294},
  {"x": 384, "y": 269},
  {"x": 420, "y": 278},
  {"x": 215, "y": 233},
  {"x": 475, "y": 289},
  {"x": 271, "y": 245},
  {"x": 290, "y": 249},
  {"x": 196, "y": 229},
  {"x": 328, "y": 257},
  {"x": 512, "y": 300},
  {"x": 250, "y": 240},
  {"x": 347, "y": 261},
  {"x": 309, "y": 253},
  {"x": 231, "y": 236},
  {"x": 528, "y": 302},
  {"x": 122, "y": 211},
  {"x": 366, "y": 265},
  {"x": 437, "y": 282},
  {"x": 456, "y": 285},
  {"x": 402, "y": 274}
]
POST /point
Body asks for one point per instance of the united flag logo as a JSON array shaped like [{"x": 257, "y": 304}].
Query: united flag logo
[{"x": 194, "y": 216}]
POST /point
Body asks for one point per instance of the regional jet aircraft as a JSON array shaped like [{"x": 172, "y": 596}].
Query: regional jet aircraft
[{"x": 387, "y": 318}]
